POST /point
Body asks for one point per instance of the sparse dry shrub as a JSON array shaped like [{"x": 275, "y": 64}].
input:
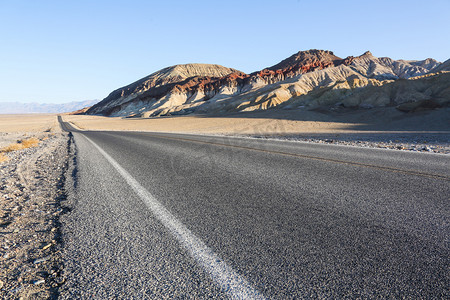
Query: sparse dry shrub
[
  {"x": 27, "y": 143},
  {"x": 31, "y": 142},
  {"x": 3, "y": 157},
  {"x": 12, "y": 147}
]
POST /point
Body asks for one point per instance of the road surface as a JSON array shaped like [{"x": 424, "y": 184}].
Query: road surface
[{"x": 183, "y": 216}]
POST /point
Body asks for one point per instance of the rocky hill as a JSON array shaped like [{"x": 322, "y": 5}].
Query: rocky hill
[
  {"x": 306, "y": 80},
  {"x": 445, "y": 66},
  {"x": 156, "y": 85}
]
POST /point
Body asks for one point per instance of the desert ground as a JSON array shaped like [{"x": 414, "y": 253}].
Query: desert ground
[
  {"x": 279, "y": 122},
  {"x": 33, "y": 156},
  {"x": 14, "y": 127},
  {"x": 28, "y": 123}
]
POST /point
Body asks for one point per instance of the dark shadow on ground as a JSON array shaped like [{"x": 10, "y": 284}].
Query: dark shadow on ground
[{"x": 387, "y": 119}]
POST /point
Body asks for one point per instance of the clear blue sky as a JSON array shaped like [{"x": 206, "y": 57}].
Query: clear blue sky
[{"x": 61, "y": 51}]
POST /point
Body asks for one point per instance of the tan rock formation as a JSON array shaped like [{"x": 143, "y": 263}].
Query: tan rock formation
[{"x": 308, "y": 79}]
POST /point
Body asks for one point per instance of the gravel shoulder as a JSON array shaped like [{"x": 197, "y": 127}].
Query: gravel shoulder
[
  {"x": 416, "y": 142},
  {"x": 31, "y": 197}
]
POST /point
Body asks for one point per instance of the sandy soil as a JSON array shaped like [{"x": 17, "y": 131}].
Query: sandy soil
[
  {"x": 279, "y": 122},
  {"x": 15, "y": 127},
  {"x": 29, "y": 123}
]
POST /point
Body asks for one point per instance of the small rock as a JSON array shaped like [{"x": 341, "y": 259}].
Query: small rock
[
  {"x": 59, "y": 280},
  {"x": 40, "y": 260},
  {"x": 1, "y": 284},
  {"x": 37, "y": 282},
  {"x": 366, "y": 106}
]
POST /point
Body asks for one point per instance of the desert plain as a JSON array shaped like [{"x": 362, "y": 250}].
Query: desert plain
[{"x": 278, "y": 122}]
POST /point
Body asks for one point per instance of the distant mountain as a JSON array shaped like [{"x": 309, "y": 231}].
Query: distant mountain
[
  {"x": 306, "y": 80},
  {"x": 445, "y": 66},
  {"x": 157, "y": 85},
  {"x": 25, "y": 108}
]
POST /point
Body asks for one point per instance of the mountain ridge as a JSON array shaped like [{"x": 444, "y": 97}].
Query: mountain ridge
[
  {"x": 33, "y": 107},
  {"x": 217, "y": 89}
]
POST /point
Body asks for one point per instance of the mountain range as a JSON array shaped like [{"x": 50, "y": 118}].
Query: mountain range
[
  {"x": 306, "y": 80},
  {"x": 24, "y": 108}
]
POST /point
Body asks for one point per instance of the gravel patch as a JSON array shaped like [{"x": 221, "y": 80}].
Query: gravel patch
[
  {"x": 418, "y": 142},
  {"x": 31, "y": 202}
]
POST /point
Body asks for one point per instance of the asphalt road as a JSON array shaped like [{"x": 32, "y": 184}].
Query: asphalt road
[{"x": 182, "y": 216}]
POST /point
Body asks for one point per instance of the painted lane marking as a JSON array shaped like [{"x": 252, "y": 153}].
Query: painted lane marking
[{"x": 223, "y": 275}]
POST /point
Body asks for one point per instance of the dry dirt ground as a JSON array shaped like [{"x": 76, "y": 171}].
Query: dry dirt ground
[
  {"x": 31, "y": 197},
  {"x": 28, "y": 123},
  {"x": 279, "y": 122}
]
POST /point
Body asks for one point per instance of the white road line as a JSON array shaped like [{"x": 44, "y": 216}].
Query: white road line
[{"x": 224, "y": 276}]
